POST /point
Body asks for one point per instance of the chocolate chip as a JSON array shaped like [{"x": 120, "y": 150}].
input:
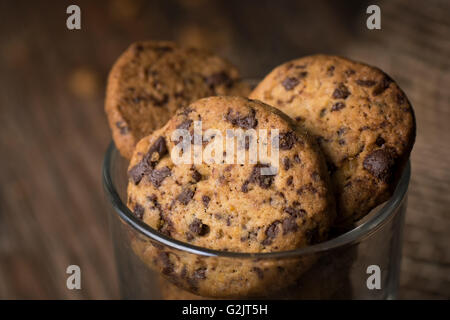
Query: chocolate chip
[
  {"x": 166, "y": 225},
  {"x": 219, "y": 78},
  {"x": 290, "y": 83},
  {"x": 323, "y": 112},
  {"x": 286, "y": 163},
  {"x": 380, "y": 141},
  {"x": 198, "y": 227},
  {"x": 297, "y": 159},
  {"x": 364, "y": 128},
  {"x": 138, "y": 211},
  {"x": 380, "y": 163},
  {"x": 306, "y": 188},
  {"x": 168, "y": 266},
  {"x": 196, "y": 176},
  {"x": 338, "y": 106},
  {"x": 206, "y": 200},
  {"x": 287, "y": 140},
  {"x": 289, "y": 180},
  {"x": 295, "y": 211},
  {"x": 264, "y": 181},
  {"x": 382, "y": 86},
  {"x": 289, "y": 225},
  {"x": 342, "y": 142},
  {"x": 365, "y": 83},
  {"x": 246, "y": 122},
  {"x": 159, "y": 147},
  {"x": 185, "y": 124},
  {"x": 341, "y": 92},
  {"x": 156, "y": 177},
  {"x": 139, "y": 170},
  {"x": 185, "y": 196},
  {"x": 271, "y": 233},
  {"x": 259, "y": 272}
]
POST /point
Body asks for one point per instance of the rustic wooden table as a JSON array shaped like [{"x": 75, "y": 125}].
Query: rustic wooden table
[{"x": 54, "y": 132}]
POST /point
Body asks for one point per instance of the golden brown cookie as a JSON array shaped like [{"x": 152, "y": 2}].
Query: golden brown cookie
[
  {"x": 152, "y": 79},
  {"x": 361, "y": 118},
  {"x": 231, "y": 207}
]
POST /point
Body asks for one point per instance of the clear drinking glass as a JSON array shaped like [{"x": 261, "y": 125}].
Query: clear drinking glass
[{"x": 362, "y": 263}]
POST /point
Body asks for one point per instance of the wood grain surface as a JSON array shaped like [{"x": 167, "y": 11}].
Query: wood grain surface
[{"x": 54, "y": 132}]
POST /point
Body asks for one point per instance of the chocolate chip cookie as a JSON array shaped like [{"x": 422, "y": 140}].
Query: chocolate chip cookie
[
  {"x": 228, "y": 205},
  {"x": 362, "y": 120},
  {"x": 152, "y": 79}
]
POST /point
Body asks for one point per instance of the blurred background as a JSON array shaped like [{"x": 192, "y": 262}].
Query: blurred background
[{"x": 54, "y": 131}]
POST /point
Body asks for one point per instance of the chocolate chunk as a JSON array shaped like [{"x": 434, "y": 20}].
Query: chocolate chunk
[
  {"x": 196, "y": 176},
  {"x": 306, "y": 188},
  {"x": 382, "y": 86},
  {"x": 206, "y": 200},
  {"x": 139, "y": 170},
  {"x": 168, "y": 266},
  {"x": 156, "y": 177},
  {"x": 264, "y": 181},
  {"x": 289, "y": 225},
  {"x": 287, "y": 140},
  {"x": 338, "y": 106},
  {"x": 341, "y": 92},
  {"x": 199, "y": 274},
  {"x": 295, "y": 211},
  {"x": 219, "y": 78},
  {"x": 166, "y": 225},
  {"x": 185, "y": 196},
  {"x": 289, "y": 180},
  {"x": 271, "y": 233},
  {"x": 185, "y": 124},
  {"x": 138, "y": 211},
  {"x": 380, "y": 163},
  {"x": 365, "y": 83},
  {"x": 259, "y": 272},
  {"x": 380, "y": 141},
  {"x": 246, "y": 122},
  {"x": 198, "y": 227},
  {"x": 286, "y": 163},
  {"x": 290, "y": 83},
  {"x": 159, "y": 147}
]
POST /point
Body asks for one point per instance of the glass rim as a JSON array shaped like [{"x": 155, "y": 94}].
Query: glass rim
[{"x": 378, "y": 219}]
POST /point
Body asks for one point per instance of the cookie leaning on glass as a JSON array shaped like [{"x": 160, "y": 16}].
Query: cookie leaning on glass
[
  {"x": 152, "y": 79},
  {"x": 230, "y": 207},
  {"x": 363, "y": 121}
]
